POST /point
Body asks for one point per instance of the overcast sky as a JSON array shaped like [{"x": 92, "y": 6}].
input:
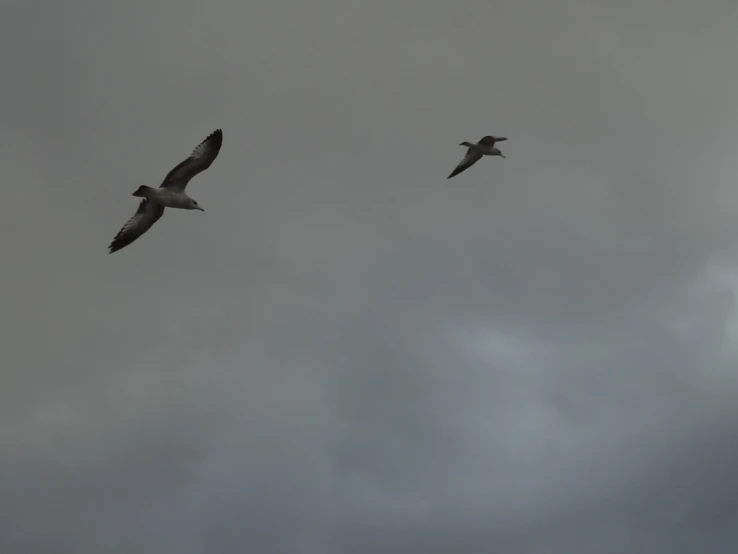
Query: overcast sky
[{"x": 348, "y": 353}]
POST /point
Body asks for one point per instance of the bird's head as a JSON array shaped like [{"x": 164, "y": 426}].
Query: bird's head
[
  {"x": 466, "y": 143},
  {"x": 195, "y": 206}
]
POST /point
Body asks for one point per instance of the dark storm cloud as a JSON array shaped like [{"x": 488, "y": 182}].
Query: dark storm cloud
[{"x": 346, "y": 352}]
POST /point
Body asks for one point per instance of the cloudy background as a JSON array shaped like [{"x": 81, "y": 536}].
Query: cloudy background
[{"x": 347, "y": 353}]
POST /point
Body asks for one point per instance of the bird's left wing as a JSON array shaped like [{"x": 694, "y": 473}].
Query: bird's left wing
[
  {"x": 472, "y": 157},
  {"x": 146, "y": 215}
]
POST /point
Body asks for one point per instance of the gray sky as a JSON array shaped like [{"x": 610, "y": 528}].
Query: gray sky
[{"x": 348, "y": 353}]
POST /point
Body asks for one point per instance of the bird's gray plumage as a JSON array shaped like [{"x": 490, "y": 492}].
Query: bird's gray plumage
[
  {"x": 474, "y": 153},
  {"x": 146, "y": 215},
  {"x": 201, "y": 158},
  {"x": 489, "y": 140},
  {"x": 170, "y": 193}
]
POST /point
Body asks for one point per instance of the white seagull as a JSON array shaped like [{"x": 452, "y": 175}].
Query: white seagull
[
  {"x": 474, "y": 153},
  {"x": 170, "y": 193}
]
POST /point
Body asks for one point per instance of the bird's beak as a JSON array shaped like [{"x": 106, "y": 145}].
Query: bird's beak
[
  {"x": 199, "y": 208},
  {"x": 502, "y": 155}
]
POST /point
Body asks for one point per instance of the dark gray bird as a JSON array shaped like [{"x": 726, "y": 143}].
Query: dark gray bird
[
  {"x": 474, "y": 153},
  {"x": 170, "y": 193}
]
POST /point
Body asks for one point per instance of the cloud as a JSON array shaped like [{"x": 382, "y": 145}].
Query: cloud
[{"x": 347, "y": 352}]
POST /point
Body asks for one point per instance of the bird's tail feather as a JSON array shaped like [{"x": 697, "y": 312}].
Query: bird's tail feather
[{"x": 141, "y": 191}]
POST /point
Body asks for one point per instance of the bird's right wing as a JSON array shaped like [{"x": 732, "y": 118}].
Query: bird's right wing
[
  {"x": 146, "y": 215},
  {"x": 472, "y": 157},
  {"x": 489, "y": 140},
  {"x": 201, "y": 158}
]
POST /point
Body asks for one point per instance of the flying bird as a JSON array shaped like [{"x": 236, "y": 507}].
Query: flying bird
[
  {"x": 474, "y": 153},
  {"x": 171, "y": 192}
]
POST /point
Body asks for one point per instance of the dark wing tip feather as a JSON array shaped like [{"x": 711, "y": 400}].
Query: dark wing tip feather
[
  {"x": 121, "y": 240},
  {"x": 215, "y": 139},
  {"x": 213, "y": 142},
  {"x": 458, "y": 169},
  {"x": 118, "y": 243}
]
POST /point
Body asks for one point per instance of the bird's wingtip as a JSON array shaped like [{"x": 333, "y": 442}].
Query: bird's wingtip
[{"x": 215, "y": 138}]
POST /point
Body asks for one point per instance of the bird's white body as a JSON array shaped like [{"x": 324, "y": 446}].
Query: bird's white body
[
  {"x": 170, "y": 198},
  {"x": 483, "y": 149}
]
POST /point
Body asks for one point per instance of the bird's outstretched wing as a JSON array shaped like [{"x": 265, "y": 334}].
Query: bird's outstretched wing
[
  {"x": 489, "y": 140},
  {"x": 472, "y": 157},
  {"x": 200, "y": 159},
  {"x": 146, "y": 215}
]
